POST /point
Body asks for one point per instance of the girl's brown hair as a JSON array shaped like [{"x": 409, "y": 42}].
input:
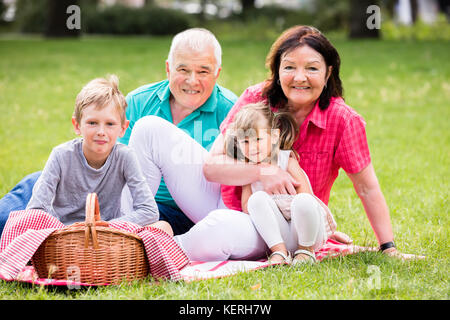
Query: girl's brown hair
[
  {"x": 245, "y": 124},
  {"x": 289, "y": 40}
]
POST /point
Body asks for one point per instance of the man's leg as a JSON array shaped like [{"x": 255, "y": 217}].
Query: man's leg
[
  {"x": 165, "y": 150},
  {"x": 17, "y": 198}
]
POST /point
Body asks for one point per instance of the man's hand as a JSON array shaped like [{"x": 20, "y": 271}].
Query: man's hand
[{"x": 277, "y": 181}]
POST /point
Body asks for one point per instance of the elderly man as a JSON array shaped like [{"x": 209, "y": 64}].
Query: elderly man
[{"x": 190, "y": 99}]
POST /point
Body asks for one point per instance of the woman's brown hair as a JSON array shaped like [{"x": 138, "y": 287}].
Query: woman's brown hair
[{"x": 289, "y": 40}]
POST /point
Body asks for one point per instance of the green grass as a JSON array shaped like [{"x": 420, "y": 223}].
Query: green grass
[{"x": 402, "y": 89}]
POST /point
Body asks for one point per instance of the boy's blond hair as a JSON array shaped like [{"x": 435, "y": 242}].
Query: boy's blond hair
[{"x": 101, "y": 92}]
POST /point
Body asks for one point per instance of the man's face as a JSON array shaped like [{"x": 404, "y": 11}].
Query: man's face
[{"x": 192, "y": 77}]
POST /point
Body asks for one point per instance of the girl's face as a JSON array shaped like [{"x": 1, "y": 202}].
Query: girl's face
[
  {"x": 303, "y": 75},
  {"x": 257, "y": 144}
]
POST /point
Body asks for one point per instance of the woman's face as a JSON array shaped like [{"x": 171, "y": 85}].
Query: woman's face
[{"x": 303, "y": 75}]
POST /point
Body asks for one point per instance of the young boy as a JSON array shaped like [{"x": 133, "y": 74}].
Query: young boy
[{"x": 95, "y": 163}]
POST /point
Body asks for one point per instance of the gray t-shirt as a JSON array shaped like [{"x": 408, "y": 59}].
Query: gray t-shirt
[{"x": 67, "y": 179}]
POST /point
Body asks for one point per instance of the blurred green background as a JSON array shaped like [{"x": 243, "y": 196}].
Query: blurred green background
[
  {"x": 397, "y": 77},
  {"x": 401, "y": 19}
]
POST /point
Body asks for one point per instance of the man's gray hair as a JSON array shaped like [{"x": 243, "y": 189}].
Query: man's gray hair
[{"x": 196, "y": 39}]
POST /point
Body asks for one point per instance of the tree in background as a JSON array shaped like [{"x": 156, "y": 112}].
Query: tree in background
[
  {"x": 247, "y": 5},
  {"x": 57, "y": 19},
  {"x": 358, "y": 19}
]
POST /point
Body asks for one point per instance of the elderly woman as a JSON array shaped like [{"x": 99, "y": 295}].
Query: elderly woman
[{"x": 304, "y": 81}]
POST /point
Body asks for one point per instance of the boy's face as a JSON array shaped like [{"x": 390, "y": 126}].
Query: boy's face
[{"x": 100, "y": 129}]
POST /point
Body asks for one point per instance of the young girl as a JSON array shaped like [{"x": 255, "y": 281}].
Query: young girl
[{"x": 288, "y": 223}]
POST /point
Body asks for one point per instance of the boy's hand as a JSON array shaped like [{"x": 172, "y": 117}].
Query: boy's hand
[
  {"x": 101, "y": 223},
  {"x": 97, "y": 224}
]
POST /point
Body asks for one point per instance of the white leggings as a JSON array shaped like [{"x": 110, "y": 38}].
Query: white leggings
[
  {"x": 306, "y": 227},
  {"x": 219, "y": 233}
]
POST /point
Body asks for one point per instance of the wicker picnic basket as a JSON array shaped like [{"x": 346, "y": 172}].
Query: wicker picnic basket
[{"x": 91, "y": 254}]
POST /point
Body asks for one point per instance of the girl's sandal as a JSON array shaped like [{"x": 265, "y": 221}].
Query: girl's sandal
[
  {"x": 311, "y": 258},
  {"x": 286, "y": 258}
]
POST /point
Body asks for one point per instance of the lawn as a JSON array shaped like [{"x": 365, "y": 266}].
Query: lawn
[{"x": 402, "y": 89}]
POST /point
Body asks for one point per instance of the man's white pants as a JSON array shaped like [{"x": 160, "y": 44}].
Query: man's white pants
[{"x": 219, "y": 233}]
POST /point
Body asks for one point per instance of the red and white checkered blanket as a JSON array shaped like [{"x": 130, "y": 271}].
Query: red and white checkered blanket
[
  {"x": 201, "y": 270},
  {"x": 25, "y": 231}
]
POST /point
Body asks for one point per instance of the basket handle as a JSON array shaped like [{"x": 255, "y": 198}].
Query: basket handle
[{"x": 92, "y": 215}]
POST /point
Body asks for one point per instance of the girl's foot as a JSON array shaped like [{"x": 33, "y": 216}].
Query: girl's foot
[
  {"x": 280, "y": 257},
  {"x": 303, "y": 256}
]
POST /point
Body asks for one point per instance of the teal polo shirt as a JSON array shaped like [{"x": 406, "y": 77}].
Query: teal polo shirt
[{"x": 202, "y": 124}]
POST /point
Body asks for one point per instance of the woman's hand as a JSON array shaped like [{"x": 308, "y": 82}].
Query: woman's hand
[
  {"x": 393, "y": 252},
  {"x": 277, "y": 181}
]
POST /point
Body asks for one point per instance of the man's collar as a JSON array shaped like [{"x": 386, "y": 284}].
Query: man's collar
[
  {"x": 164, "y": 91},
  {"x": 210, "y": 105}
]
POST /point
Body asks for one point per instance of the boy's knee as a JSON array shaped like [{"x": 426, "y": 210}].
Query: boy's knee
[{"x": 163, "y": 225}]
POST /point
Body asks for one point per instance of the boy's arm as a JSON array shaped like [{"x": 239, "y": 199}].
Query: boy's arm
[
  {"x": 44, "y": 189},
  {"x": 298, "y": 174},
  {"x": 246, "y": 193},
  {"x": 144, "y": 210}
]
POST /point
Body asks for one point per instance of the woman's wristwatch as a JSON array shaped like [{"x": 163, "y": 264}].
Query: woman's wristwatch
[{"x": 387, "y": 245}]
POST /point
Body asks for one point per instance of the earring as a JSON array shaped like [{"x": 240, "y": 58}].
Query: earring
[{"x": 278, "y": 82}]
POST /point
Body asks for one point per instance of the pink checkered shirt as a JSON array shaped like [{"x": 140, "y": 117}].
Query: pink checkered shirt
[{"x": 329, "y": 140}]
